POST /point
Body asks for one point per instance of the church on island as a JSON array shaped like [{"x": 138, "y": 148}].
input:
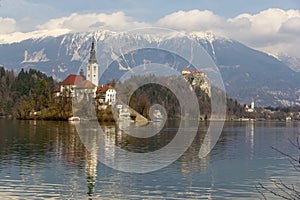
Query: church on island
[
  {"x": 250, "y": 108},
  {"x": 81, "y": 86}
]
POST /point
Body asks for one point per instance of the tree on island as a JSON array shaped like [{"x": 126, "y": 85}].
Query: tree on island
[{"x": 29, "y": 91}]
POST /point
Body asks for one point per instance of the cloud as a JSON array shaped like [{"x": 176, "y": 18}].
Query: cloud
[
  {"x": 90, "y": 22},
  {"x": 291, "y": 26},
  {"x": 264, "y": 30},
  {"x": 193, "y": 20},
  {"x": 73, "y": 23},
  {"x": 273, "y": 30},
  {"x": 8, "y": 25},
  {"x": 264, "y": 25}
]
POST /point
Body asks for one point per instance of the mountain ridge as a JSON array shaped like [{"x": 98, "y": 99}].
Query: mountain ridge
[{"x": 247, "y": 73}]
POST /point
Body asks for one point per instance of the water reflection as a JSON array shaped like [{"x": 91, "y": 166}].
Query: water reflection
[
  {"x": 190, "y": 162},
  {"x": 42, "y": 160},
  {"x": 91, "y": 168},
  {"x": 36, "y": 153},
  {"x": 249, "y": 139}
]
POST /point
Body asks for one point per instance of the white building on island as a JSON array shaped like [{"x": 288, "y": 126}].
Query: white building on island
[
  {"x": 106, "y": 94},
  {"x": 251, "y": 108}
]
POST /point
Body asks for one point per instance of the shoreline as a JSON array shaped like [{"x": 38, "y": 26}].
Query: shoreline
[{"x": 114, "y": 122}]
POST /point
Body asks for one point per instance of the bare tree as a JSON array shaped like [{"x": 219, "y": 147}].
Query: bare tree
[{"x": 280, "y": 189}]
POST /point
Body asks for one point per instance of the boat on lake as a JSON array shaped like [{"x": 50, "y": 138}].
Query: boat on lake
[
  {"x": 157, "y": 116},
  {"x": 74, "y": 119}
]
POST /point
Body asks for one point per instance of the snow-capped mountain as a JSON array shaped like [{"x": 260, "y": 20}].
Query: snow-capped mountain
[
  {"x": 247, "y": 73},
  {"x": 292, "y": 62}
]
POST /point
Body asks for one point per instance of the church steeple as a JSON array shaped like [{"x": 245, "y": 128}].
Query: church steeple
[
  {"x": 92, "y": 66},
  {"x": 93, "y": 54}
]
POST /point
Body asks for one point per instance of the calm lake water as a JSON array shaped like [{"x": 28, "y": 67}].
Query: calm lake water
[{"x": 46, "y": 160}]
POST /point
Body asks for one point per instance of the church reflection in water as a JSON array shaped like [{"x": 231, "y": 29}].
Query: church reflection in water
[
  {"x": 91, "y": 167},
  {"x": 112, "y": 134},
  {"x": 46, "y": 159},
  {"x": 250, "y": 137},
  {"x": 104, "y": 148}
]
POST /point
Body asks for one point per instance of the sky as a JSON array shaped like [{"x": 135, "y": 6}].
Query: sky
[{"x": 272, "y": 26}]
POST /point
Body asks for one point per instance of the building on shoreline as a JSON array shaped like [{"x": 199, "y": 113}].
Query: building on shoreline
[
  {"x": 67, "y": 88},
  {"x": 86, "y": 86},
  {"x": 250, "y": 108},
  {"x": 106, "y": 94}
]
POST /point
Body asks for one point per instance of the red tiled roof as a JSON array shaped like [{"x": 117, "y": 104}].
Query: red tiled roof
[
  {"x": 196, "y": 72},
  {"x": 73, "y": 79},
  {"x": 57, "y": 89},
  {"x": 104, "y": 88},
  {"x": 186, "y": 69}
]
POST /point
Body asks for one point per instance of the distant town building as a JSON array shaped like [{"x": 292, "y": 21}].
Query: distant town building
[
  {"x": 252, "y": 105},
  {"x": 185, "y": 71},
  {"x": 92, "y": 67},
  {"x": 250, "y": 108},
  {"x": 106, "y": 94}
]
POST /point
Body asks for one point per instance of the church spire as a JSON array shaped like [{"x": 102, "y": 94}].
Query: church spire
[
  {"x": 92, "y": 66},
  {"x": 93, "y": 54}
]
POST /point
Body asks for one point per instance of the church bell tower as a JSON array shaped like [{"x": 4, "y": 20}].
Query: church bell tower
[{"x": 92, "y": 67}]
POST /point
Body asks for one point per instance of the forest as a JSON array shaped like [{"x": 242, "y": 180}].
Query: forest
[
  {"x": 152, "y": 93},
  {"x": 32, "y": 91},
  {"x": 27, "y": 92}
]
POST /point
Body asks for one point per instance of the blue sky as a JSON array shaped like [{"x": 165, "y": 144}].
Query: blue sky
[
  {"x": 146, "y": 10},
  {"x": 269, "y": 25}
]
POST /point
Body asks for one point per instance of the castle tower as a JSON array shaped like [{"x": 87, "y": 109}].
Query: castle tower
[{"x": 92, "y": 67}]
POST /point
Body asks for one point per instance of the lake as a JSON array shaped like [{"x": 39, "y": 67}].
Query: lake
[{"x": 47, "y": 160}]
